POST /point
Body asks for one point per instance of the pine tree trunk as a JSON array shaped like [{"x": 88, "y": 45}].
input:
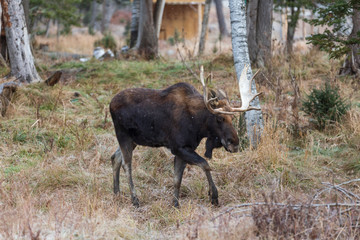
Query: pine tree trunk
[
  {"x": 94, "y": 13},
  {"x": 17, "y": 38},
  {"x": 254, "y": 120},
  {"x": 294, "y": 17},
  {"x": 134, "y": 27},
  {"x": 0, "y": 17},
  {"x": 259, "y": 20},
  {"x": 3, "y": 45},
  {"x": 352, "y": 61},
  {"x": 146, "y": 45},
  {"x": 47, "y": 31},
  {"x": 3, "y": 48},
  {"x": 221, "y": 19},
  {"x": 263, "y": 32},
  {"x": 204, "y": 27},
  {"x": 251, "y": 18}
]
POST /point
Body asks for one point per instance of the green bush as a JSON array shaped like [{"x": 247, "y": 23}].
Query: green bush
[
  {"x": 325, "y": 106},
  {"x": 107, "y": 42},
  {"x": 19, "y": 136},
  {"x": 176, "y": 38}
]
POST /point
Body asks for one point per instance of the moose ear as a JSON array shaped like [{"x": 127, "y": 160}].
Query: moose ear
[
  {"x": 221, "y": 94},
  {"x": 212, "y": 94},
  {"x": 218, "y": 93}
]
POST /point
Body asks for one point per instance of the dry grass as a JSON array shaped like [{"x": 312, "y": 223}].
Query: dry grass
[
  {"x": 56, "y": 177},
  {"x": 79, "y": 43}
]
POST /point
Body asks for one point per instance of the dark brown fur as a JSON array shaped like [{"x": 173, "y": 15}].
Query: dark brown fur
[{"x": 175, "y": 118}]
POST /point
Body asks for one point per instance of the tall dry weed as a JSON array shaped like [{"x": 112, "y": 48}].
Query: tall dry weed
[
  {"x": 272, "y": 151},
  {"x": 351, "y": 129},
  {"x": 299, "y": 220}
]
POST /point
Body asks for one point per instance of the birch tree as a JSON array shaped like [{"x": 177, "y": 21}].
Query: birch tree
[
  {"x": 21, "y": 59},
  {"x": 158, "y": 13},
  {"x": 254, "y": 119}
]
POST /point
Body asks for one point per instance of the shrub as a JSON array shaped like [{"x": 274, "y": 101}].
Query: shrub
[
  {"x": 325, "y": 105},
  {"x": 107, "y": 42},
  {"x": 176, "y": 38}
]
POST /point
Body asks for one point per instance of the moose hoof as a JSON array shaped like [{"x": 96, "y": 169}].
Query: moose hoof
[
  {"x": 116, "y": 191},
  {"x": 135, "y": 202},
  {"x": 214, "y": 198},
  {"x": 215, "y": 201},
  {"x": 176, "y": 203}
]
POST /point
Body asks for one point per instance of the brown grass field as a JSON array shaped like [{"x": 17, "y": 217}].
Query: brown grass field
[{"x": 56, "y": 143}]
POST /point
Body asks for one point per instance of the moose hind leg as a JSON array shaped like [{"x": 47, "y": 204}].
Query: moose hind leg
[
  {"x": 179, "y": 166},
  {"x": 127, "y": 154},
  {"x": 116, "y": 160}
]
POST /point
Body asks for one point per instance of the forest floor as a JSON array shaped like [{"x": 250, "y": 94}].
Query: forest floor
[{"x": 56, "y": 143}]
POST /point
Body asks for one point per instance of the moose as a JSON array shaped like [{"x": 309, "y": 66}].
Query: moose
[{"x": 178, "y": 118}]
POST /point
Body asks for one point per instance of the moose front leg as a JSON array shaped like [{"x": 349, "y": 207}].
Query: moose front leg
[
  {"x": 213, "y": 193},
  {"x": 191, "y": 157},
  {"x": 179, "y": 166}
]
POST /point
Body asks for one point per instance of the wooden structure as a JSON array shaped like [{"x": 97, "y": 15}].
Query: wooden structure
[{"x": 182, "y": 17}]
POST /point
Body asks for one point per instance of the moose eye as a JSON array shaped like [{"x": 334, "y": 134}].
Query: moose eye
[{"x": 220, "y": 119}]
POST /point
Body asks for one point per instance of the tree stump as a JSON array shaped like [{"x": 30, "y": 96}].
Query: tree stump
[
  {"x": 54, "y": 79},
  {"x": 7, "y": 90}
]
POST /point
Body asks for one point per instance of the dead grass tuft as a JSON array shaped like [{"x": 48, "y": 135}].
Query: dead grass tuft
[{"x": 70, "y": 43}]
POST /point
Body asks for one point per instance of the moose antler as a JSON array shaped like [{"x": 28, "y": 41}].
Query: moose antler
[
  {"x": 209, "y": 101},
  {"x": 245, "y": 94}
]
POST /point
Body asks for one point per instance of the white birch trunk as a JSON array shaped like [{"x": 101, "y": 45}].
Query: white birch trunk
[
  {"x": 17, "y": 38},
  {"x": 135, "y": 19},
  {"x": 142, "y": 23},
  {"x": 254, "y": 119},
  {"x": 160, "y": 5}
]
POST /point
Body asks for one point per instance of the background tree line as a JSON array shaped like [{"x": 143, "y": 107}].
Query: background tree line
[{"x": 67, "y": 13}]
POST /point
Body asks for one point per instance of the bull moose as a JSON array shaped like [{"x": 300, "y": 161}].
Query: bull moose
[{"x": 178, "y": 118}]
